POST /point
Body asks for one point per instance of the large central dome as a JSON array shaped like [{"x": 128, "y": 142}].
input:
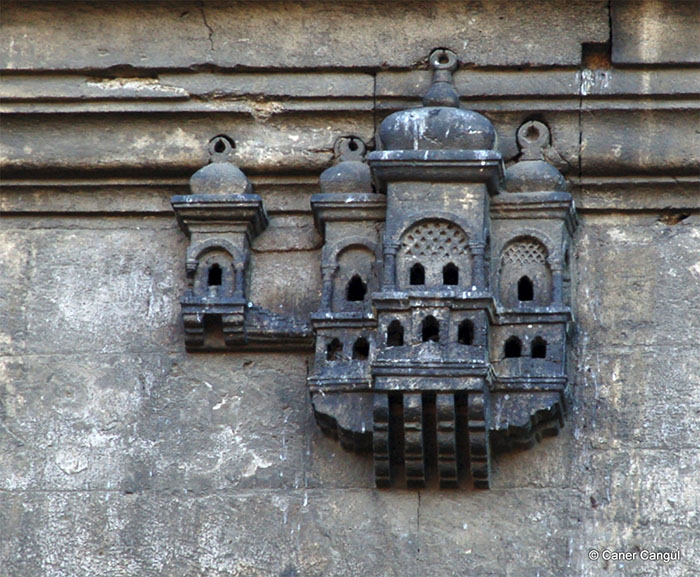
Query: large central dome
[{"x": 440, "y": 124}]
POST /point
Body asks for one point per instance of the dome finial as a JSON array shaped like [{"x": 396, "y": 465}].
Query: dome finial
[
  {"x": 350, "y": 174},
  {"x": 531, "y": 173},
  {"x": 442, "y": 91},
  {"x": 220, "y": 176},
  {"x": 533, "y": 138}
]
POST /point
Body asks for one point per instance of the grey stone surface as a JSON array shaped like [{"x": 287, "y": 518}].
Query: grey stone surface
[
  {"x": 295, "y": 34},
  {"x": 121, "y": 455},
  {"x": 641, "y": 31},
  {"x": 154, "y": 143}
]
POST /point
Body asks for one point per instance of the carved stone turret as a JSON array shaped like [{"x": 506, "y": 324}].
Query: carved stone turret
[
  {"x": 347, "y": 214},
  {"x": 221, "y": 217}
]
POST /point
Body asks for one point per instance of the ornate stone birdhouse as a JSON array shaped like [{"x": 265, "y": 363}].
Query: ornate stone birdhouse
[{"x": 442, "y": 333}]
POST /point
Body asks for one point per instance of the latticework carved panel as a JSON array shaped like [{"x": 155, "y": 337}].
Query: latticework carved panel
[
  {"x": 439, "y": 239},
  {"x": 524, "y": 252}
]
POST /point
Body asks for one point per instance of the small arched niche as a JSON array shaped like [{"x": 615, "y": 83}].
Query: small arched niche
[
  {"x": 430, "y": 330},
  {"x": 333, "y": 350},
  {"x": 394, "y": 334},
  {"x": 214, "y": 274},
  {"x": 353, "y": 279},
  {"x": 539, "y": 348},
  {"x": 440, "y": 247},
  {"x": 465, "y": 332},
  {"x": 513, "y": 348},
  {"x": 360, "y": 350},
  {"x": 524, "y": 275},
  {"x": 450, "y": 274}
]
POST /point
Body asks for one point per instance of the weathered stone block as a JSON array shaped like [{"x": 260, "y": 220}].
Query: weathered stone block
[
  {"x": 642, "y": 279},
  {"x": 102, "y": 287},
  {"x": 174, "y": 534},
  {"x": 332, "y": 522},
  {"x": 655, "y": 32},
  {"x": 140, "y": 423},
  {"x": 453, "y": 540},
  {"x": 298, "y": 35}
]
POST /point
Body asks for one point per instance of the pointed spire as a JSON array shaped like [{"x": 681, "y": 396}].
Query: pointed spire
[{"x": 442, "y": 92}]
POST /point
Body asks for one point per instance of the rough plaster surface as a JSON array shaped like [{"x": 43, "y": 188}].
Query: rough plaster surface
[{"x": 121, "y": 455}]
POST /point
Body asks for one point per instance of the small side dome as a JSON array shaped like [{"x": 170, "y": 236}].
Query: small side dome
[
  {"x": 220, "y": 176},
  {"x": 534, "y": 176},
  {"x": 532, "y": 173},
  {"x": 441, "y": 124},
  {"x": 350, "y": 175}
]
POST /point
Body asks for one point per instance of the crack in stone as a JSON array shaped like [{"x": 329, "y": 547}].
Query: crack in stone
[{"x": 209, "y": 28}]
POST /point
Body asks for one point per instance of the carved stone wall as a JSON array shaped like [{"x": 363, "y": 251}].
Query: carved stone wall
[{"x": 126, "y": 451}]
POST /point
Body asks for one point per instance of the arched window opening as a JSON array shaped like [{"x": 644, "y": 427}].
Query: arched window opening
[
  {"x": 539, "y": 348},
  {"x": 430, "y": 329},
  {"x": 526, "y": 291},
  {"x": 214, "y": 276},
  {"x": 360, "y": 350},
  {"x": 394, "y": 334},
  {"x": 450, "y": 274},
  {"x": 333, "y": 350},
  {"x": 357, "y": 289},
  {"x": 513, "y": 347},
  {"x": 465, "y": 332},
  {"x": 417, "y": 274}
]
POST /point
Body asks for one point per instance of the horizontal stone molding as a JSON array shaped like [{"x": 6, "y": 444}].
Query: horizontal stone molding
[
  {"x": 289, "y": 195},
  {"x": 603, "y": 122},
  {"x": 270, "y": 93}
]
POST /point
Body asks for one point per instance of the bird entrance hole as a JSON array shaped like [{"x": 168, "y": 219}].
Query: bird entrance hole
[
  {"x": 430, "y": 329},
  {"x": 357, "y": 289},
  {"x": 215, "y": 275},
  {"x": 360, "y": 350},
  {"x": 526, "y": 291},
  {"x": 417, "y": 276},
  {"x": 394, "y": 334},
  {"x": 333, "y": 350},
  {"x": 539, "y": 348},
  {"x": 513, "y": 348},
  {"x": 450, "y": 274},
  {"x": 465, "y": 332}
]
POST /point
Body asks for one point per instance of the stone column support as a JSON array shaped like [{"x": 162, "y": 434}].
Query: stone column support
[
  {"x": 390, "y": 250},
  {"x": 557, "y": 283},
  {"x": 239, "y": 281},
  {"x": 327, "y": 272},
  {"x": 478, "y": 265}
]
